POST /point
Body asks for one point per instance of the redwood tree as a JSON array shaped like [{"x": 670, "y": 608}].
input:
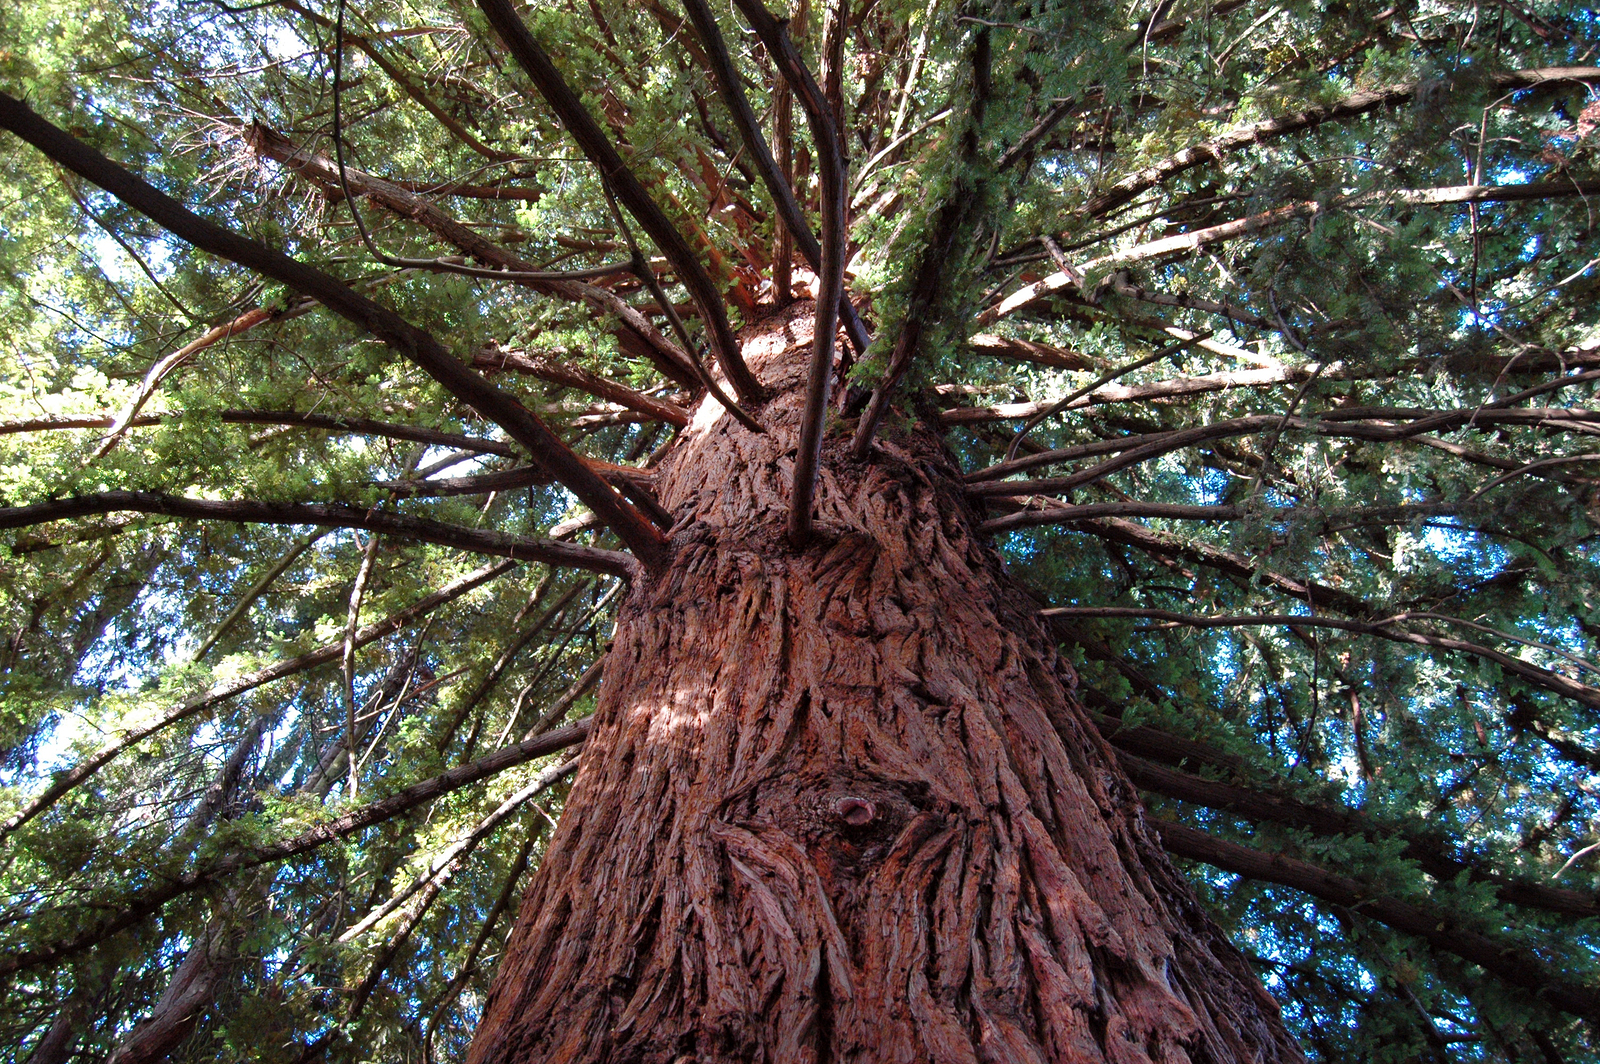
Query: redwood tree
[{"x": 1009, "y": 532}]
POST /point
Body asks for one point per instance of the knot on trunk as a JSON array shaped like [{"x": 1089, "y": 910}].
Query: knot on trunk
[{"x": 855, "y": 812}]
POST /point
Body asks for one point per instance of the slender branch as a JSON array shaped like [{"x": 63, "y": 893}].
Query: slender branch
[
  {"x": 147, "y": 902},
  {"x": 439, "y": 880},
  {"x": 492, "y": 357},
  {"x": 1105, "y": 378},
  {"x": 409, "y": 87},
  {"x": 327, "y": 422},
  {"x": 1358, "y": 103},
  {"x": 257, "y": 589},
  {"x": 1178, "y": 387},
  {"x": 827, "y": 258},
  {"x": 1168, "y": 545},
  {"x": 600, "y": 151},
  {"x": 1440, "y": 929},
  {"x": 164, "y": 368},
  {"x": 232, "y": 688},
  {"x": 940, "y": 255},
  {"x": 477, "y": 484},
  {"x": 1145, "y": 446},
  {"x": 1066, "y": 513},
  {"x": 337, "y": 515},
  {"x": 647, "y": 276},
  {"x": 444, "y": 864},
  {"x": 642, "y": 537},
  {"x": 1015, "y": 350}
]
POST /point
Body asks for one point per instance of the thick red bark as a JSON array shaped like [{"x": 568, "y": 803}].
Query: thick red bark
[{"x": 841, "y": 804}]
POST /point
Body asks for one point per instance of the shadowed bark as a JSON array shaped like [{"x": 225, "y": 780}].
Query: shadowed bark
[{"x": 841, "y": 803}]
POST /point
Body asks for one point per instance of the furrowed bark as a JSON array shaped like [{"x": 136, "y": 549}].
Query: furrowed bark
[
  {"x": 406, "y": 339},
  {"x": 826, "y": 785},
  {"x": 594, "y": 143},
  {"x": 147, "y": 902},
  {"x": 1504, "y": 960}
]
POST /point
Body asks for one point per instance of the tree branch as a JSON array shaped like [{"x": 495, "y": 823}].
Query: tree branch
[
  {"x": 328, "y": 422},
  {"x": 798, "y": 79},
  {"x": 1193, "y": 241},
  {"x": 1354, "y": 105},
  {"x": 1550, "y": 681},
  {"x": 338, "y": 515},
  {"x": 642, "y": 537},
  {"x": 1430, "y": 853},
  {"x": 324, "y": 174},
  {"x": 1508, "y": 962},
  {"x": 940, "y": 254},
  {"x": 492, "y": 357}
]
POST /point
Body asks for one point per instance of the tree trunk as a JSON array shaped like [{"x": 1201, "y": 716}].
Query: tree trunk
[{"x": 841, "y": 804}]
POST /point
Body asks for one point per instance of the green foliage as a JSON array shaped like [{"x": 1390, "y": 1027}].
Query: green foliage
[{"x": 1364, "y": 303}]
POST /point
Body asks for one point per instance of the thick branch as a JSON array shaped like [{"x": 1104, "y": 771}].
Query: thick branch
[
  {"x": 795, "y": 74},
  {"x": 828, "y": 257},
  {"x": 413, "y": 343},
  {"x": 1513, "y": 964}
]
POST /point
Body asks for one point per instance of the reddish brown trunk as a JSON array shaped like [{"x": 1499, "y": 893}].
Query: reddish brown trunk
[{"x": 841, "y": 804}]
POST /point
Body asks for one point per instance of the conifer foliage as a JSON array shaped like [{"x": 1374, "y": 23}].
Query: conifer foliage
[{"x": 346, "y": 348}]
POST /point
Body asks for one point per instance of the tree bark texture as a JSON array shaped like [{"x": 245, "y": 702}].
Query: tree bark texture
[{"x": 840, "y": 803}]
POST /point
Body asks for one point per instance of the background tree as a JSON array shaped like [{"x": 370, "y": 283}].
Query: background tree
[{"x": 1261, "y": 337}]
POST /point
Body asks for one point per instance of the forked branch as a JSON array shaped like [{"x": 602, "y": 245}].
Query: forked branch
[
  {"x": 830, "y": 261},
  {"x": 594, "y": 143}
]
